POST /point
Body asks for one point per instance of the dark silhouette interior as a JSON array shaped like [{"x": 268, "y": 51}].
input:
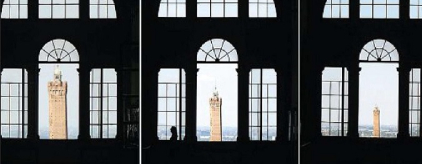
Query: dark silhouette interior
[
  {"x": 338, "y": 43},
  {"x": 101, "y": 43},
  {"x": 260, "y": 43}
]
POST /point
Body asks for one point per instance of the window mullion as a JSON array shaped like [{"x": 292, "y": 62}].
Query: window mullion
[
  {"x": 342, "y": 101},
  {"x": 260, "y": 104}
]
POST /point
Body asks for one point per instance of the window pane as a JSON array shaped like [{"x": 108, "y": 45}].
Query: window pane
[{"x": 58, "y": 11}]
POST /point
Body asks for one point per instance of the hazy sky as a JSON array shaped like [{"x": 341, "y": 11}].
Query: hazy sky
[
  {"x": 378, "y": 85},
  {"x": 225, "y": 76}
]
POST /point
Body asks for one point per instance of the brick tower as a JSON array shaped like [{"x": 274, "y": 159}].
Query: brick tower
[
  {"x": 215, "y": 116},
  {"x": 57, "y": 91},
  {"x": 376, "y": 132}
]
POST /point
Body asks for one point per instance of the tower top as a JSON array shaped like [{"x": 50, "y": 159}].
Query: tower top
[
  {"x": 215, "y": 93},
  {"x": 57, "y": 74},
  {"x": 376, "y": 108}
]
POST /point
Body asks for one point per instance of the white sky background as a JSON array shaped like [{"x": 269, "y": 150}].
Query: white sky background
[
  {"x": 71, "y": 75},
  {"x": 378, "y": 85},
  {"x": 225, "y": 76}
]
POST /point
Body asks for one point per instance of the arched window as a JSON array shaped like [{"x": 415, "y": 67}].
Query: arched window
[
  {"x": 58, "y": 90},
  {"x": 379, "y": 9},
  {"x": 58, "y": 50},
  {"x": 100, "y": 9},
  {"x": 217, "y": 50},
  {"x": 15, "y": 9},
  {"x": 378, "y": 90},
  {"x": 217, "y": 91},
  {"x": 217, "y": 8},
  {"x": 262, "y": 9},
  {"x": 172, "y": 8},
  {"x": 58, "y": 9},
  {"x": 336, "y": 9},
  {"x": 379, "y": 50}
]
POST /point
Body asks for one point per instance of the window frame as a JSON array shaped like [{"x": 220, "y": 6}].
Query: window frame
[
  {"x": 100, "y": 106},
  {"x": 22, "y": 107},
  {"x": 343, "y": 97},
  {"x": 262, "y": 97},
  {"x": 180, "y": 110}
]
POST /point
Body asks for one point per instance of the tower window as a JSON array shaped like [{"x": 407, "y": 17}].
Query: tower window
[
  {"x": 334, "y": 101},
  {"x": 15, "y": 9},
  {"x": 217, "y": 8},
  {"x": 262, "y": 104},
  {"x": 171, "y": 103},
  {"x": 58, "y": 9},
  {"x": 379, "y": 9},
  {"x": 14, "y": 103},
  {"x": 103, "y": 103}
]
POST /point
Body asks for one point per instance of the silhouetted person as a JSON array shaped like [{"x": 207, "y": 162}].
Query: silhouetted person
[{"x": 173, "y": 131}]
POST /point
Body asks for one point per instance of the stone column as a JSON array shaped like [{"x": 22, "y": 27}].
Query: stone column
[
  {"x": 403, "y": 101},
  {"x": 120, "y": 81},
  {"x": 243, "y": 105},
  {"x": 354, "y": 10},
  {"x": 353, "y": 102},
  {"x": 283, "y": 104},
  {"x": 153, "y": 111},
  {"x": 316, "y": 110},
  {"x": 33, "y": 7},
  {"x": 192, "y": 9},
  {"x": 84, "y": 10},
  {"x": 404, "y": 10},
  {"x": 84, "y": 79},
  {"x": 191, "y": 79},
  {"x": 1, "y": 74},
  {"x": 33, "y": 74},
  {"x": 243, "y": 9}
]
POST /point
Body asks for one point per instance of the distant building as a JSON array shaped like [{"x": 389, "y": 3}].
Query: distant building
[
  {"x": 376, "y": 132},
  {"x": 57, "y": 91},
  {"x": 215, "y": 117}
]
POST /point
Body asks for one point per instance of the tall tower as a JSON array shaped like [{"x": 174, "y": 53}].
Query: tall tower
[
  {"x": 376, "y": 132},
  {"x": 215, "y": 116},
  {"x": 57, "y": 91}
]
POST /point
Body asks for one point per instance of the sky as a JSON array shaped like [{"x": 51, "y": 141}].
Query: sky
[{"x": 378, "y": 85}]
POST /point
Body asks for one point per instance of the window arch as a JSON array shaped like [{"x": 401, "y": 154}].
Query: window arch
[
  {"x": 336, "y": 9},
  {"x": 15, "y": 9},
  {"x": 58, "y": 9},
  {"x": 378, "y": 106},
  {"x": 217, "y": 8},
  {"x": 102, "y": 9},
  {"x": 379, "y": 9},
  {"x": 262, "y": 8},
  {"x": 58, "y": 50},
  {"x": 172, "y": 8},
  {"x": 217, "y": 50},
  {"x": 58, "y": 68},
  {"x": 379, "y": 50},
  {"x": 217, "y": 96}
]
